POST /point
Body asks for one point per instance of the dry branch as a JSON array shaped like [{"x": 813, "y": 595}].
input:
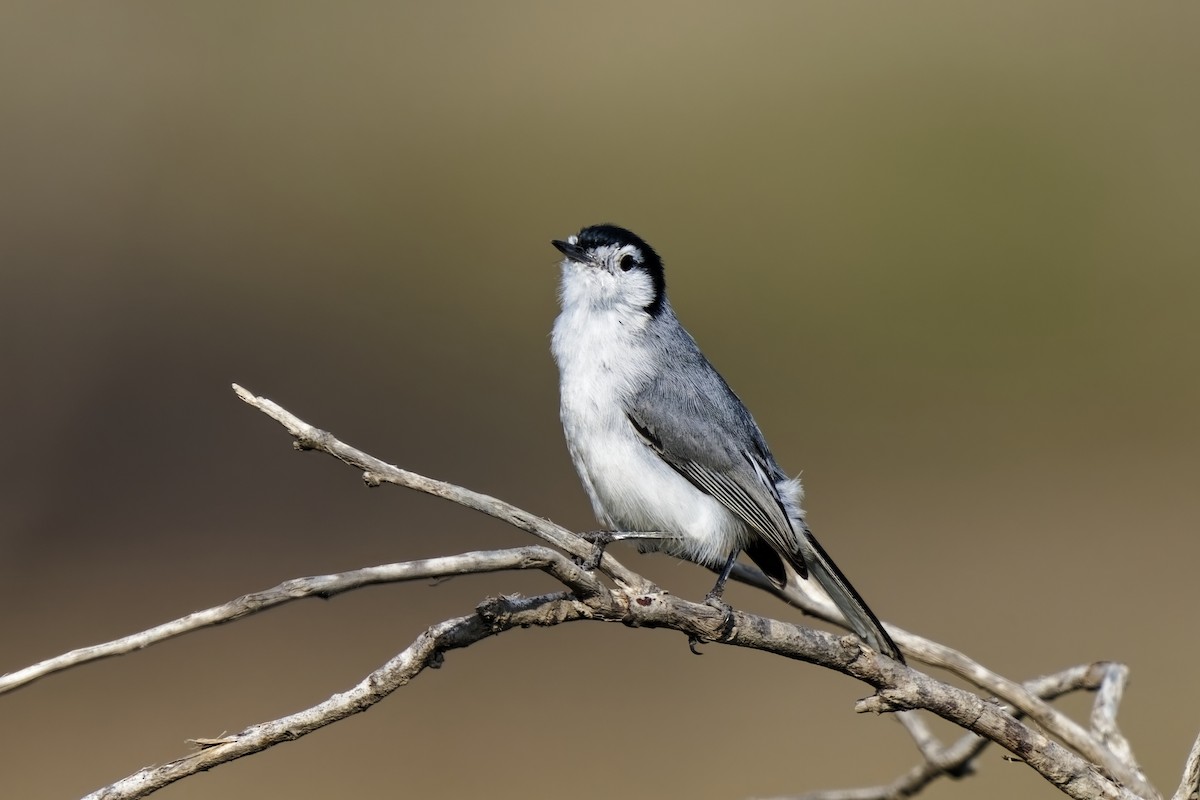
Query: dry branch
[
  {"x": 1084, "y": 764},
  {"x": 426, "y": 651},
  {"x": 955, "y": 760},
  {"x": 1189, "y": 787},
  {"x": 324, "y": 586}
]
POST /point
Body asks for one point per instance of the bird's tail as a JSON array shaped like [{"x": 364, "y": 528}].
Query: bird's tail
[{"x": 849, "y": 602}]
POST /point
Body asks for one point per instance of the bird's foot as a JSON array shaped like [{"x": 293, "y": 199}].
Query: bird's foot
[
  {"x": 713, "y": 599},
  {"x": 726, "y": 628},
  {"x": 726, "y": 612},
  {"x": 599, "y": 540}
]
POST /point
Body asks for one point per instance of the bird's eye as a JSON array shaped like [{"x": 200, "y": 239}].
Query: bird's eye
[{"x": 626, "y": 262}]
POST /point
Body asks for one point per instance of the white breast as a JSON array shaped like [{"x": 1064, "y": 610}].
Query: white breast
[{"x": 603, "y": 361}]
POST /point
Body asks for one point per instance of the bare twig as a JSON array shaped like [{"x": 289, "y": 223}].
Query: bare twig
[
  {"x": 426, "y": 651},
  {"x": 636, "y": 602},
  {"x": 939, "y": 655},
  {"x": 956, "y": 759},
  {"x": 892, "y": 697},
  {"x": 899, "y": 687},
  {"x": 927, "y": 744},
  {"x": 377, "y": 471},
  {"x": 530, "y": 557},
  {"x": 1189, "y": 787},
  {"x": 1054, "y": 721},
  {"x": 1104, "y": 716}
]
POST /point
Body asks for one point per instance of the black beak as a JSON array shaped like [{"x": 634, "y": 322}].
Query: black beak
[{"x": 571, "y": 251}]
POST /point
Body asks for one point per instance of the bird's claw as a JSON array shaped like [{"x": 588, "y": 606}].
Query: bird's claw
[
  {"x": 713, "y": 600},
  {"x": 599, "y": 541}
]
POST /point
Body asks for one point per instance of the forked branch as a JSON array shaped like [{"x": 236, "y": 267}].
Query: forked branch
[{"x": 1083, "y": 763}]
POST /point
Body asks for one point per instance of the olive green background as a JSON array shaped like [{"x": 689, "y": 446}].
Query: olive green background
[{"x": 947, "y": 253}]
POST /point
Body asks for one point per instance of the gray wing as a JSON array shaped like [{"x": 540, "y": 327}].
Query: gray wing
[{"x": 692, "y": 419}]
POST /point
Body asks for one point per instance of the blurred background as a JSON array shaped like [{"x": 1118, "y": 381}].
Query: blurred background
[{"x": 945, "y": 252}]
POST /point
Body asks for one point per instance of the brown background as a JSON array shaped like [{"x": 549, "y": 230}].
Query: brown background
[{"x": 946, "y": 252}]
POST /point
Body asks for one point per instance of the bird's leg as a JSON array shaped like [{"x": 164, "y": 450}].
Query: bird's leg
[
  {"x": 714, "y": 597},
  {"x": 602, "y": 539}
]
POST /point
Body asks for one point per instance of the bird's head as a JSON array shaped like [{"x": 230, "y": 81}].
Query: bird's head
[{"x": 611, "y": 267}]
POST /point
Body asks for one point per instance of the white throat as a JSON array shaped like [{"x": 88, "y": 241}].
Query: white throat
[{"x": 600, "y": 334}]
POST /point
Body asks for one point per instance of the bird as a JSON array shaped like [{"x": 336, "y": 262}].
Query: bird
[{"x": 660, "y": 441}]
